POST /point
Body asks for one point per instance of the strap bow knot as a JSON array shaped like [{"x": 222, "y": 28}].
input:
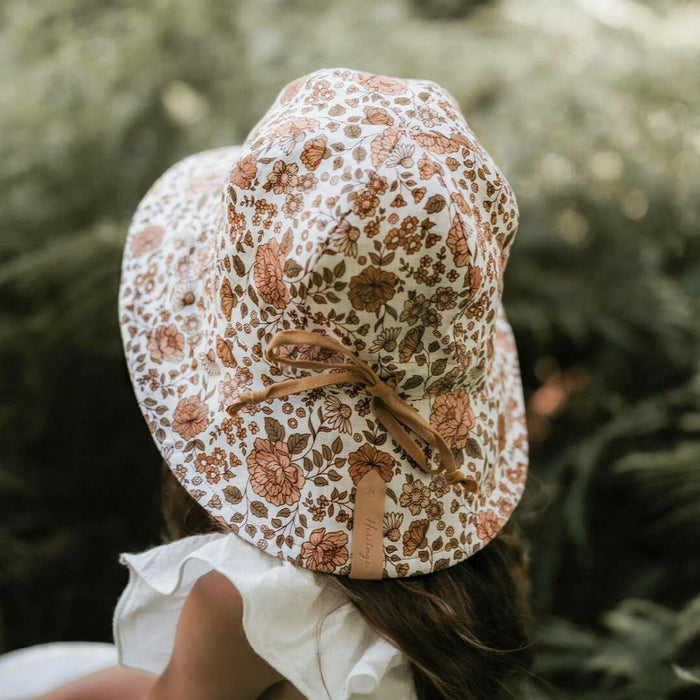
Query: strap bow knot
[{"x": 390, "y": 409}]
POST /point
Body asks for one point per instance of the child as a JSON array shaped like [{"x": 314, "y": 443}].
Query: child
[{"x": 314, "y": 330}]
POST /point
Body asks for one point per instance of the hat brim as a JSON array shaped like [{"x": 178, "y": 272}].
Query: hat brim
[{"x": 306, "y": 439}]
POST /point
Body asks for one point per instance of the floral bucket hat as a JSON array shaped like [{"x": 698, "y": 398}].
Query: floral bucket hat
[{"x": 313, "y": 326}]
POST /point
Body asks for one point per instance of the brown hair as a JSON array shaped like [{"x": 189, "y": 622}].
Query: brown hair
[{"x": 465, "y": 630}]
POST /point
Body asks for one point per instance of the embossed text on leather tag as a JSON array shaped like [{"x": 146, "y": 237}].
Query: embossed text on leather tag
[{"x": 367, "y": 539}]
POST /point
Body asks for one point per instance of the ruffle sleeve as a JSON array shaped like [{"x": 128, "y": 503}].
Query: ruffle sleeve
[{"x": 310, "y": 634}]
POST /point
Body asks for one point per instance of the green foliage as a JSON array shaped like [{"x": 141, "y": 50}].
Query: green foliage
[
  {"x": 591, "y": 108},
  {"x": 641, "y": 653}
]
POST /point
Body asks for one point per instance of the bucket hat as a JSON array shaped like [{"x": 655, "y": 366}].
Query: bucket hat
[{"x": 313, "y": 326}]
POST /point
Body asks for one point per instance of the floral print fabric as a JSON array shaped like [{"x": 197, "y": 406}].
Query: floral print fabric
[{"x": 364, "y": 208}]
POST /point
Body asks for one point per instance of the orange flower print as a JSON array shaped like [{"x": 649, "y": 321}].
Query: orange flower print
[
  {"x": 313, "y": 152},
  {"x": 325, "y": 551},
  {"x": 224, "y": 353},
  {"x": 291, "y": 90},
  {"x": 439, "y": 143},
  {"x": 505, "y": 506},
  {"x": 377, "y": 115},
  {"x": 411, "y": 344},
  {"x": 488, "y": 525},
  {"x": 146, "y": 240},
  {"x": 457, "y": 242},
  {"x": 166, "y": 343},
  {"x": 365, "y": 203},
  {"x": 427, "y": 168},
  {"x": 461, "y": 202},
  {"x": 274, "y": 476},
  {"x": 401, "y": 157},
  {"x": 345, "y": 237},
  {"x": 413, "y": 537},
  {"x": 444, "y": 298},
  {"x": 384, "y": 144},
  {"x": 338, "y": 414},
  {"x": 296, "y": 125},
  {"x": 314, "y": 353},
  {"x": 268, "y": 271},
  {"x": 190, "y": 417},
  {"x": 381, "y": 84},
  {"x": 391, "y": 526},
  {"x": 368, "y": 457},
  {"x": 434, "y": 510},
  {"x": 376, "y": 183},
  {"x": 372, "y": 288},
  {"x": 415, "y": 496},
  {"x": 453, "y": 417},
  {"x": 293, "y": 204},
  {"x": 283, "y": 178},
  {"x": 244, "y": 170},
  {"x": 429, "y": 117}
]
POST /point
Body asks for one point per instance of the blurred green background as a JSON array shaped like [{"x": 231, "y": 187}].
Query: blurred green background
[{"x": 591, "y": 109}]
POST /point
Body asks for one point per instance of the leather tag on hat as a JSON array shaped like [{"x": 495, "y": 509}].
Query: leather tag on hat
[{"x": 367, "y": 560}]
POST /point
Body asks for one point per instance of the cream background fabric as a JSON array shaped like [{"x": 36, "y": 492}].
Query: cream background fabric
[{"x": 290, "y": 618}]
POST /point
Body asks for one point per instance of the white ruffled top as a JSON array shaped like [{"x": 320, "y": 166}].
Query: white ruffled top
[{"x": 306, "y": 631}]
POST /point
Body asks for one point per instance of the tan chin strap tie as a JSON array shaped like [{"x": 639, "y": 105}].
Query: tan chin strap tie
[{"x": 391, "y": 410}]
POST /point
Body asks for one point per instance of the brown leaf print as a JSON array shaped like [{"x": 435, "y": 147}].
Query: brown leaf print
[
  {"x": 457, "y": 242},
  {"x": 413, "y": 537},
  {"x": 190, "y": 417},
  {"x": 372, "y": 288},
  {"x": 325, "y": 551},
  {"x": 453, "y": 417},
  {"x": 384, "y": 144},
  {"x": 502, "y": 432},
  {"x": 268, "y": 271},
  {"x": 273, "y": 474},
  {"x": 368, "y": 458},
  {"x": 435, "y": 204},
  {"x": 233, "y": 494},
  {"x": 166, "y": 343}
]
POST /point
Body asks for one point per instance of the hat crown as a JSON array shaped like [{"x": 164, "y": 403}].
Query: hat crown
[{"x": 366, "y": 209}]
